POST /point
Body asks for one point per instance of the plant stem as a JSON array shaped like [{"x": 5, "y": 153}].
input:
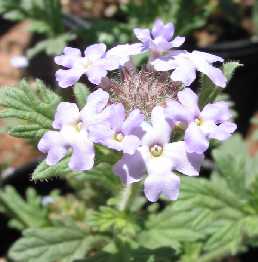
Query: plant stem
[{"x": 128, "y": 195}]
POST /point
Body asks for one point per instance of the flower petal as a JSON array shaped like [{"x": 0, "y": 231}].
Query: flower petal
[
  {"x": 163, "y": 64},
  {"x": 189, "y": 100},
  {"x": 130, "y": 168},
  {"x": 185, "y": 74},
  {"x": 66, "y": 113},
  {"x": 95, "y": 74},
  {"x": 167, "y": 184},
  {"x": 195, "y": 139},
  {"x": 83, "y": 154},
  {"x": 117, "y": 116},
  {"x": 130, "y": 144},
  {"x": 53, "y": 144},
  {"x": 133, "y": 121},
  {"x": 69, "y": 58},
  {"x": 223, "y": 131},
  {"x": 95, "y": 51},
  {"x": 142, "y": 34},
  {"x": 178, "y": 113},
  {"x": 178, "y": 41},
  {"x": 67, "y": 78},
  {"x": 218, "y": 112},
  {"x": 187, "y": 163}
]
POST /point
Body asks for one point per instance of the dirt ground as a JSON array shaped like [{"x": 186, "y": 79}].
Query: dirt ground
[{"x": 13, "y": 152}]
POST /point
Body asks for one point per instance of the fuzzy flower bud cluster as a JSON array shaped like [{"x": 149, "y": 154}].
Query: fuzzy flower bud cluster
[{"x": 139, "y": 113}]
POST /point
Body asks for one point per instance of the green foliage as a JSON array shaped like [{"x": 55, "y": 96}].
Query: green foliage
[
  {"x": 208, "y": 90},
  {"x": 64, "y": 244},
  {"x": 109, "y": 219},
  {"x": 223, "y": 209},
  {"x": 80, "y": 92},
  {"x": 46, "y": 18},
  {"x": 23, "y": 213},
  {"x": 35, "y": 105},
  {"x": 127, "y": 254}
]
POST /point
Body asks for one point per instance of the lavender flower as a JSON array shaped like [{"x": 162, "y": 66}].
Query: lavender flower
[
  {"x": 159, "y": 158},
  {"x": 186, "y": 64},
  {"x": 213, "y": 122},
  {"x": 123, "y": 52},
  {"x": 159, "y": 39},
  {"x": 123, "y": 132},
  {"x": 77, "y": 130},
  {"x": 94, "y": 64}
]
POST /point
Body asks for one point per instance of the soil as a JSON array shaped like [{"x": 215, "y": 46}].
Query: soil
[{"x": 13, "y": 42}]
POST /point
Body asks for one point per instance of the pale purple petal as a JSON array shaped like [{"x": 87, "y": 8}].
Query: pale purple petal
[
  {"x": 97, "y": 100},
  {"x": 142, "y": 34},
  {"x": 162, "y": 64},
  {"x": 215, "y": 74},
  {"x": 160, "y": 44},
  {"x": 189, "y": 100},
  {"x": 218, "y": 112},
  {"x": 133, "y": 121},
  {"x": 69, "y": 58},
  {"x": 159, "y": 29},
  {"x": 122, "y": 53},
  {"x": 53, "y": 144},
  {"x": 178, "y": 113},
  {"x": 130, "y": 143},
  {"x": 130, "y": 168},
  {"x": 99, "y": 132},
  {"x": 96, "y": 73},
  {"x": 208, "y": 57},
  {"x": 195, "y": 139},
  {"x": 223, "y": 131},
  {"x": 66, "y": 113},
  {"x": 166, "y": 184},
  {"x": 67, "y": 78},
  {"x": 117, "y": 116},
  {"x": 160, "y": 130},
  {"x": 83, "y": 154},
  {"x": 178, "y": 41},
  {"x": 95, "y": 52},
  {"x": 185, "y": 74},
  {"x": 186, "y": 163}
]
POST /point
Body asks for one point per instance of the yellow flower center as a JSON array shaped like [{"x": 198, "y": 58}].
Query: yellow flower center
[
  {"x": 86, "y": 63},
  {"x": 78, "y": 126},
  {"x": 198, "y": 121},
  {"x": 119, "y": 137},
  {"x": 156, "y": 150}
]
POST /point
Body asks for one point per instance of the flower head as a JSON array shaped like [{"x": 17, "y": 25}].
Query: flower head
[
  {"x": 94, "y": 64},
  {"x": 185, "y": 65},
  {"x": 76, "y": 130},
  {"x": 213, "y": 122},
  {"x": 141, "y": 90},
  {"x": 159, "y": 39},
  {"x": 159, "y": 158},
  {"x": 123, "y": 131}
]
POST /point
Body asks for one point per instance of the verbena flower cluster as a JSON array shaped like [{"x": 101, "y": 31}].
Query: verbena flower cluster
[{"x": 150, "y": 115}]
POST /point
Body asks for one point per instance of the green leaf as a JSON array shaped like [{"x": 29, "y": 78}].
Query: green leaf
[
  {"x": 101, "y": 174},
  {"x": 208, "y": 90},
  {"x": 64, "y": 244},
  {"x": 229, "y": 69},
  {"x": 24, "y": 213},
  {"x": 169, "y": 228},
  {"x": 34, "y": 105},
  {"x": 81, "y": 92},
  {"x": 127, "y": 254}
]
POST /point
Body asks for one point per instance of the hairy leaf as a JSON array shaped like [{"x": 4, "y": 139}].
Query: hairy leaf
[
  {"x": 23, "y": 213},
  {"x": 64, "y": 244},
  {"x": 34, "y": 105}
]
